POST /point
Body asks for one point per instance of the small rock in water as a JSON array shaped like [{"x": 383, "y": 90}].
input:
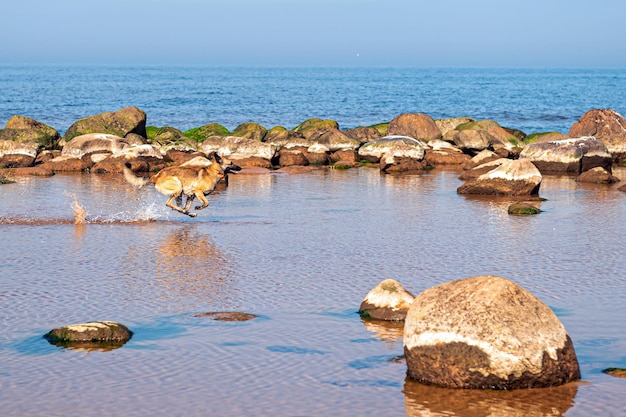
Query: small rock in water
[
  {"x": 387, "y": 301},
  {"x": 227, "y": 316},
  {"x": 90, "y": 334},
  {"x": 616, "y": 372}
]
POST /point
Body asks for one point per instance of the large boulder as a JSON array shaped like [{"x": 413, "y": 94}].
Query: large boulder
[
  {"x": 119, "y": 123},
  {"x": 24, "y": 129},
  {"x": 94, "y": 143},
  {"x": 238, "y": 149},
  {"x": 486, "y": 332},
  {"x": 572, "y": 156},
  {"x": 204, "y": 132},
  {"x": 608, "y": 126},
  {"x": 389, "y": 300},
  {"x": 448, "y": 125},
  {"x": 169, "y": 138},
  {"x": 471, "y": 140},
  {"x": 311, "y": 127},
  {"x": 415, "y": 125},
  {"x": 279, "y": 136},
  {"x": 364, "y": 134},
  {"x": 334, "y": 139},
  {"x": 512, "y": 177}
]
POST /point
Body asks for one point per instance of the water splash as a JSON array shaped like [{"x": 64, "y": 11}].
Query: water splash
[{"x": 80, "y": 213}]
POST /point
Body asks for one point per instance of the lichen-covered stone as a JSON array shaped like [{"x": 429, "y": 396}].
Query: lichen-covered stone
[
  {"x": 396, "y": 146},
  {"x": 104, "y": 332},
  {"x": 573, "y": 155},
  {"x": 486, "y": 332},
  {"x": 522, "y": 208},
  {"x": 389, "y": 300},
  {"x": 606, "y": 125},
  {"x": 227, "y": 315}
]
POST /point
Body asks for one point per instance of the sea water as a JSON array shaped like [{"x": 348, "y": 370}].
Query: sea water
[{"x": 298, "y": 251}]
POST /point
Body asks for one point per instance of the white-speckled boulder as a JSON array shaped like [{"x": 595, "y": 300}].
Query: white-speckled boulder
[
  {"x": 105, "y": 332},
  {"x": 389, "y": 300},
  {"x": 486, "y": 332},
  {"x": 17, "y": 154},
  {"x": 511, "y": 177},
  {"x": 574, "y": 155}
]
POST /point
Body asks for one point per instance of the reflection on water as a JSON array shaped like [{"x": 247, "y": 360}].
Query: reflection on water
[
  {"x": 427, "y": 401},
  {"x": 300, "y": 252}
]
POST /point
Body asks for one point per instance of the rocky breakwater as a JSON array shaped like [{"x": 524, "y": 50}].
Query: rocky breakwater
[
  {"x": 486, "y": 332},
  {"x": 410, "y": 142}
]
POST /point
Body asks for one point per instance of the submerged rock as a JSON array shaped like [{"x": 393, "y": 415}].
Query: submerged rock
[
  {"x": 597, "y": 175},
  {"x": 91, "y": 333},
  {"x": 486, "y": 332},
  {"x": 389, "y": 300},
  {"x": 227, "y": 315},
  {"x": 521, "y": 208}
]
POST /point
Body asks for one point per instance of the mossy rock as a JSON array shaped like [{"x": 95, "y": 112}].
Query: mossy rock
[
  {"x": 523, "y": 209},
  {"x": 24, "y": 129},
  {"x": 168, "y": 136},
  {"x": 89, "y": 334},
  {"x": 616, "y": 372},
  {"x": 518, "y": 134},
  {"x": 250, "y": 130},
  {"x": 201, "y": 133},
  {"x": 118, "y": 123},
  {"x": 382, "y": 128},
  {"x": 542, "y": 137},
  {"x": 479, "y": 125},
  {"x": 314, "y": 124},
  {"x": 151, "y": 131}
]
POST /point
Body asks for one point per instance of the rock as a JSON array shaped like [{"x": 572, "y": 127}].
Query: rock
[
  {"x": 202, "y": 133},
  {"x": 290, "y": 157},
  {"x": 574, "y": 155},
  {"x": 24, "y": 129},
  {"x": 238, "y": 149},
  {"x": 318, "y": 154},
  {"x": 346, "y": 156},
  {"x": 512, "y": 177},
  {"x": 472, "y": 140},
  {"x": 333, "y": 138},
  {"x": 312, "y": 127},
  {"x": 445, "y": 157},
  {"x": 597, "y": 175},
  {"x": 414, "y": 125},
  {"x": 250, "y": 130},
  {"x": 95, "y": 332},
  {"x": 17, "y": 154},
  {"x": 169, "y": 138},
  {"x": 118, "y": 123},
  {"x": 545, "y": 137},
  {"x": 481, "y": 169},
  {"x": 281, "y": 137},
  {"x": 363, "y": 134},
  {"x": 480, "y": 158},
  {"x": 447, "y": 125},
  {"x": 227, "y": 315},
  {"x": 607, "y": 126},
  {"x": 389, "y": 300},
  {"x": 486, "y": 332},
  {"x": 521, "y": 208},
  {"x": 67, "y": 164},
  {"x": 394, "y": 146},
  {"x": 478, "y": 125},
  {"x": 93, "y": 143},
  {"x": 616, "y": 372},
  {"x": 501, "y": 139}
]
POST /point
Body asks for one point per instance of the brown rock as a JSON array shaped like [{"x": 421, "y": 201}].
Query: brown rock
[
  {"x": 597, "y": 175},
  {"x": 291, "y": 156},
  {"x": 512, "y": 177},
  {"x": 608, "y": 126},
  {"x": 574, "y": 155},
  {"x": 119, "y": 123},
  {"x": 389, "y": 300},
  {"x": 414, "y": 125}
]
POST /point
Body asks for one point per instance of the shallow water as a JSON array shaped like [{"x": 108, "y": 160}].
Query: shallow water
[{"x": 301, "y": 252}]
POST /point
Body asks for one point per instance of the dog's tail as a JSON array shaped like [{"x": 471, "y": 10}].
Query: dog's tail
[{"x": 132, "y": 178}]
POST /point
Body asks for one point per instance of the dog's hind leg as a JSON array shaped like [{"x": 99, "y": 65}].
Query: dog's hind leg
[{"x": 177, "y": 208}]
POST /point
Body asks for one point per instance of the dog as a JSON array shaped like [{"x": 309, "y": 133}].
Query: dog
[{"x": 193, "y": 180}]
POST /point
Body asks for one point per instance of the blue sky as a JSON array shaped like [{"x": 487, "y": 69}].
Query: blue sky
[{"x": 433, "y": 33}]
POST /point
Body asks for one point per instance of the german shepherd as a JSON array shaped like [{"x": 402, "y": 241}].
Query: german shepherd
[{"x": 191, "y": 180}]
